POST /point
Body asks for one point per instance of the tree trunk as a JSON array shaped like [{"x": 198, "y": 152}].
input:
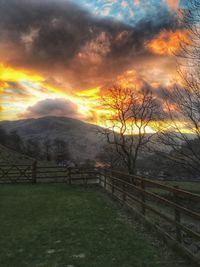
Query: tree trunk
[{"x": 132, "y": 168}]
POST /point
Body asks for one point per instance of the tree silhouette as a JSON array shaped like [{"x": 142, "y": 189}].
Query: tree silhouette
[
  {"x": 183, "y": 103},
  {"x": 131, "y": 113},
  {"x": 61, "y": 150}
]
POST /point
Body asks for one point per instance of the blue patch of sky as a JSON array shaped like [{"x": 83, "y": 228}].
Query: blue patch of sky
[{"x": 127, "y": 11}]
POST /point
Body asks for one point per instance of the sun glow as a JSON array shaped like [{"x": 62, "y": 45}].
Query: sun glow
[
  {"x": 21, "y": 89},
  {"x": 10, "y": 74},
  {"x": 130, "y": 128}
]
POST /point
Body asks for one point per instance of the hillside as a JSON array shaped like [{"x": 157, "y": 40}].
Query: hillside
[
  {"x": 12, "y": 157},
  {"x": 83, "y": 139}
]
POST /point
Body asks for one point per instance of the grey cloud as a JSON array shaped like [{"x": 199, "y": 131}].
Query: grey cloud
[{"x": 52, "y": 107}]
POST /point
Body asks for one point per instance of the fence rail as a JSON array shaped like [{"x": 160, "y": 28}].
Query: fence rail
[
  {"x": 34, "y": 173},
  {"x": 176, "y": 211},
  {"x": 138, "y": 193}
]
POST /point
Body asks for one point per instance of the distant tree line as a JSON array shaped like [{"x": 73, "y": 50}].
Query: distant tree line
[
  {"x": 165, "y": 165},
  {"x": 44, "y": 149},
  {"x": 154, "y": 163}
]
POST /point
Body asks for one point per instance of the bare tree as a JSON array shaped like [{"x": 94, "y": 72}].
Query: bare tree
[
  {"x": 47, "y": 144},
  {"x": 190, "y": 46},
  {"x": 183, "y": 103},
  {"x": 109, "y": 157},
  {"x": 32, "y": 148},
  {"x": 15, "y": 141},
  {"x": 61, "y": 150},
  {"x": 3, "y": 136},
  {"x": 130, "y": 115}
]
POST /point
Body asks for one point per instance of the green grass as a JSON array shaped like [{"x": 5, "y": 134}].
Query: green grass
[
  {"x": 60, "y": 226},
  {"x": 193, "y": 187},
  {"x": 189, "y": 186}
]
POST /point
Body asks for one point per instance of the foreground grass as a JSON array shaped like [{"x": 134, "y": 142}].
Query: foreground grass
[{"x": 58, "y": 226}]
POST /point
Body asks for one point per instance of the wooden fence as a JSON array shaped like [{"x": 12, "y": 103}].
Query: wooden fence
[
  {"x": 16, "y": 173},
  {"x": 34, "y": 173},
  {"x": 173, "y": 211}
]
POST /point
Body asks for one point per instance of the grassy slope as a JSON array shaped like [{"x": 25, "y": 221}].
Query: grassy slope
[
  {"x": 193, "y": 187},
  {"x": 190, "y": 186},
  {"x": 54, "y": 225},
  {"x": 12, "y": 157},
  {"x": 9, "y": 157}
]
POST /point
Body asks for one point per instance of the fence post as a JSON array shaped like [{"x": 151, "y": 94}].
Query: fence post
[
  {"x": 85, "y": 175},
  {"x": 113, "y": 185},
  {"x": 177, "y": 217},
  {"x": 99, "y": 176},
  {"x": 70, "y": 181},
  {"x": 34, "y": 172},
  {"x": 124, "y": 192},
  {"x": 143, "y": 197},
  {"x": 105, "y": 179}
]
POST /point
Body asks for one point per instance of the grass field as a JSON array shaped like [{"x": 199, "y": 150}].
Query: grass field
[
  {"x": 189, "y": 186},
  {"x": 193, "y": 187},
  {"x": 58, "y": 226}
]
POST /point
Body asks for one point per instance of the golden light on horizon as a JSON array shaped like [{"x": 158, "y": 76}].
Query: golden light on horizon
[
  {"x": 88, "y": 101},
  {"x": 131, "y": 129},
  {"x": 8, "y": 73}
]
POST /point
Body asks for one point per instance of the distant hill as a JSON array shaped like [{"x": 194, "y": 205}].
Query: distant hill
[{"x": 83, "y": 139}]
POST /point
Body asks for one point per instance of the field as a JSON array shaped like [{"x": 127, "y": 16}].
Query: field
[
  {"x": 186, "y": 185},
  {"x": 193, "y": 187},
  {"x": 60, "y": 226}
]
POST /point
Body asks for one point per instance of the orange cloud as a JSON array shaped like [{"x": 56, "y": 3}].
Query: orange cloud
[
  {"x": 31, "y": 82},
  {"x": 130, "y": 79},
  {"x": 168, "y": 42},
  {"x": 173, "y": 4},
  {"x": 137, "y": 2},
  {"x": 20, "y": 88},
  {"x": 124, "y": 4},
  {"x": 3, "y": 85}
]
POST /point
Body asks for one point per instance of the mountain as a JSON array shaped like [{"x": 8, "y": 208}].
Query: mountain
[{"x": 83, "y": 139}]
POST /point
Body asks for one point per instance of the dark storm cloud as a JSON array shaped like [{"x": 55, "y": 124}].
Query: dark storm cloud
[
  {"x": 44, "y": 31},
  {"x": 60, "y": 36},
  {"x": 55, "y": 107}
]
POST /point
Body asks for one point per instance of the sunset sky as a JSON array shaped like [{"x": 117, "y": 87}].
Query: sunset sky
[{"x": 58, "y": 56}]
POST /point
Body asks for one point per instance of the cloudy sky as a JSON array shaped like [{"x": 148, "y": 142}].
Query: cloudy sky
[{"x": 58, "y": 56}]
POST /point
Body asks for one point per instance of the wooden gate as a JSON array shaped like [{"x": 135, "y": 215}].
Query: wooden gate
[{"x": 15, "y": 173}]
